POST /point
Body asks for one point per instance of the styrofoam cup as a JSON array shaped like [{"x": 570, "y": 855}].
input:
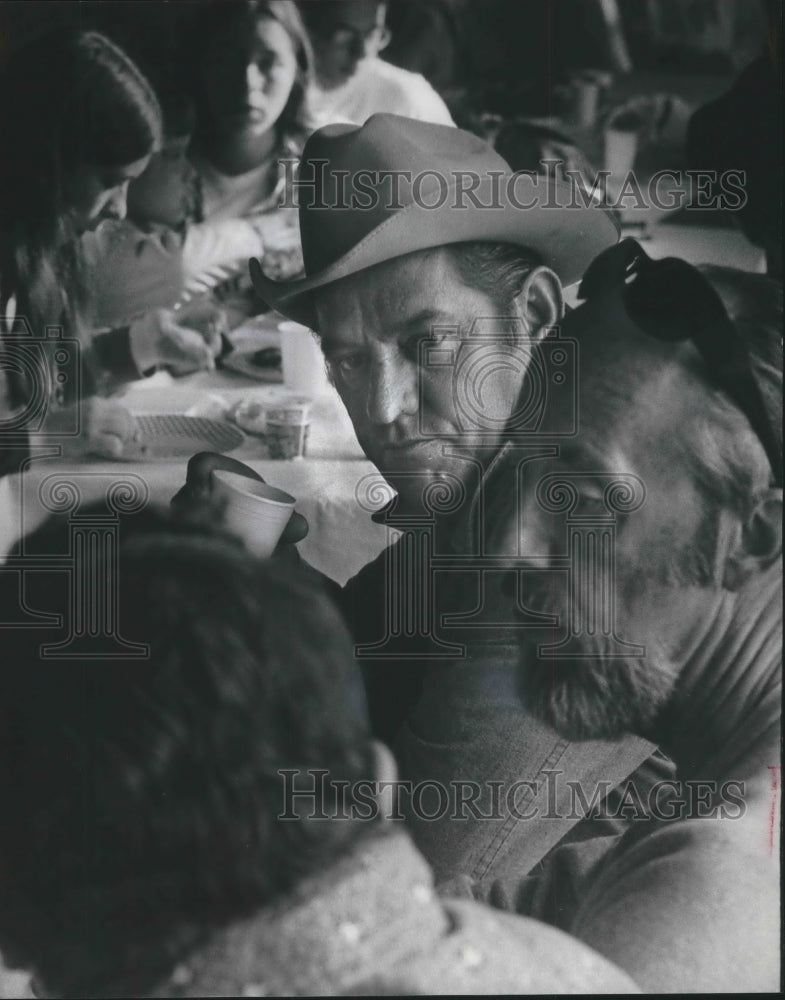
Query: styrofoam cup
[
  {"x": 586, "y": 101},
  {"x": 621, "y": 147},
  {"x": 302, "y": 360},
  {"x": 288, "y": 426},
  {"x": 256, "y": 512}
]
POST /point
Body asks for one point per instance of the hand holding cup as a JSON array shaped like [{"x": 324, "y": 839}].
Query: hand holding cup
[{"x": 199, "y": 491}]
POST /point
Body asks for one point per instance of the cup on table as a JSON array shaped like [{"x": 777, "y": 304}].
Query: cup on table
[
  {"x": 256, "y": 512},
  {"x": 586, "y": 98},
  {"x": 302, "y": 359},
  {"x": 287, "y": 428},
  {"x": 621, "y": 148}
]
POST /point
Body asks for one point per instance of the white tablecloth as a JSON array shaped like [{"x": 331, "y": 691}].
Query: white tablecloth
[
  {"x": 726, "y": 247},
  {"x": 326, "y": 483}
]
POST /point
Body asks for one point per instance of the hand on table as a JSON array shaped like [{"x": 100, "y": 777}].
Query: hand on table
[
  {"x": 106, "y": 429},
  {"x": 186, "y": 340},
  {"x": 197, "y": 491}
]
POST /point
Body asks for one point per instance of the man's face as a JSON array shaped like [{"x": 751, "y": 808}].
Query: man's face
[
  {"x": 347, "y": 33},
  {"x": 642, "y": 576},
  {"x": 398, "y": 341}
]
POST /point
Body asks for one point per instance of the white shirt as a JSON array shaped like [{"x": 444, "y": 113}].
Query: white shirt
[
  {"x": 222, "y": 244},
  {"x": 240, "y": 195},
  {"x": 378, "y": 86}
]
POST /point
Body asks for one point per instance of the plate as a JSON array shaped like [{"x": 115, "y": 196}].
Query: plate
[
  {"x": 240, "y": 362},
  {"x": 174, "y": 435}
]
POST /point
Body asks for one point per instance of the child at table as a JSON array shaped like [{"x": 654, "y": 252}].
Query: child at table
[
  {"x": 82, "y": 121},
  {"x": 137, "y": 264},
  {"x": 251, "y": 67}
]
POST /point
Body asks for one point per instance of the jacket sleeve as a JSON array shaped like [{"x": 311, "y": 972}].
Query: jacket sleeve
[
  {"x": 113, "y": 358},
  {"x": 392, "y": 686}
]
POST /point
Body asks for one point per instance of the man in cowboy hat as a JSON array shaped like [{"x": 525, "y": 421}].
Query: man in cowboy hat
[
  {"x": 431, "y": 269},
  {"x": 413, "y": 233}
]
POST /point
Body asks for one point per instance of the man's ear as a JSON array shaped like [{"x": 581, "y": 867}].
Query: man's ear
[
  {"x": 386, "y": 774},
  {"x": 540, "y": 302},
  {"x": 758, "y": 543}
]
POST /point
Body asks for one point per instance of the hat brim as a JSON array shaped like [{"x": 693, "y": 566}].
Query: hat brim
[{"x": 566, "y": 245}]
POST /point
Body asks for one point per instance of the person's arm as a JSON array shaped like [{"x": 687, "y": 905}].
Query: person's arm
[
  {"x": 131, "y": 272},
  {"x": 737, "y": 133},
  {"x": 185, "y": 341},
  {"x": 114, "y": 357},
  {"x": 211, "y": 249},
  {"x": 427, "y": 105},
  {"x": 686, "y": 909}
]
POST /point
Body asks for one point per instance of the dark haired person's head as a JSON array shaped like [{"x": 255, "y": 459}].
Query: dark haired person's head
[
  {"x": 665, "y": 502},
  {"x": 82, "y": 122},
  {"x": 166, "y": 194},
  {"x": 146, "y": 791},
  {"x": 343, "y": 32},
  {"x": 251, "y": 61}
]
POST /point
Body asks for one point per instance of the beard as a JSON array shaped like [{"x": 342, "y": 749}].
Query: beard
[
  {"x": 595, "y": 698},
  {"x": 594, "y": 693}
]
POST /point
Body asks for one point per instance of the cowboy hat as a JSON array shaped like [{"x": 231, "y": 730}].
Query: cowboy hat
[{"x": 395, "y": 185}]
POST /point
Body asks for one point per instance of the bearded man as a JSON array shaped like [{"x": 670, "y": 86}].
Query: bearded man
[{"x": 652, "y": 540}]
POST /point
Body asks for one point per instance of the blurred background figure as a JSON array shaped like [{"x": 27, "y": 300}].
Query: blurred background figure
[
  {"x": 137, "y": 265},
  {"x": 427, "y": 37},
  {"x": 720, "y": 36},
  {"x": 77, "y": 145},
  {"x": 250, "y": 63},
  {"x": 94, "y": 133},
  {"x": 136, "y": 268},
  {"x": 96, "y": 130},
  {"x": 531, "y": 147},
  {"x": 742, "y": 130},
  {"x": 352, "y": 82},
  {"x": 514, "y": 54}
]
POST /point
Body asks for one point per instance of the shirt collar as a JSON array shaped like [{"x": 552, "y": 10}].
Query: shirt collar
[{"x": 374, "y": 906}]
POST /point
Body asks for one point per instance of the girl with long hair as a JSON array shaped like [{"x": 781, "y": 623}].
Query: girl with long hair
[
  {"x": 79, "y": 121},
  {"x": 251, "y": 67}
]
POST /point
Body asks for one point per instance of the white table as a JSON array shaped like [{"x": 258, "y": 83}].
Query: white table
[
  {"x": 704, "y": 245},
  {"x": 696, "y": 245},
  {"x": 326, "y": 483}
]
